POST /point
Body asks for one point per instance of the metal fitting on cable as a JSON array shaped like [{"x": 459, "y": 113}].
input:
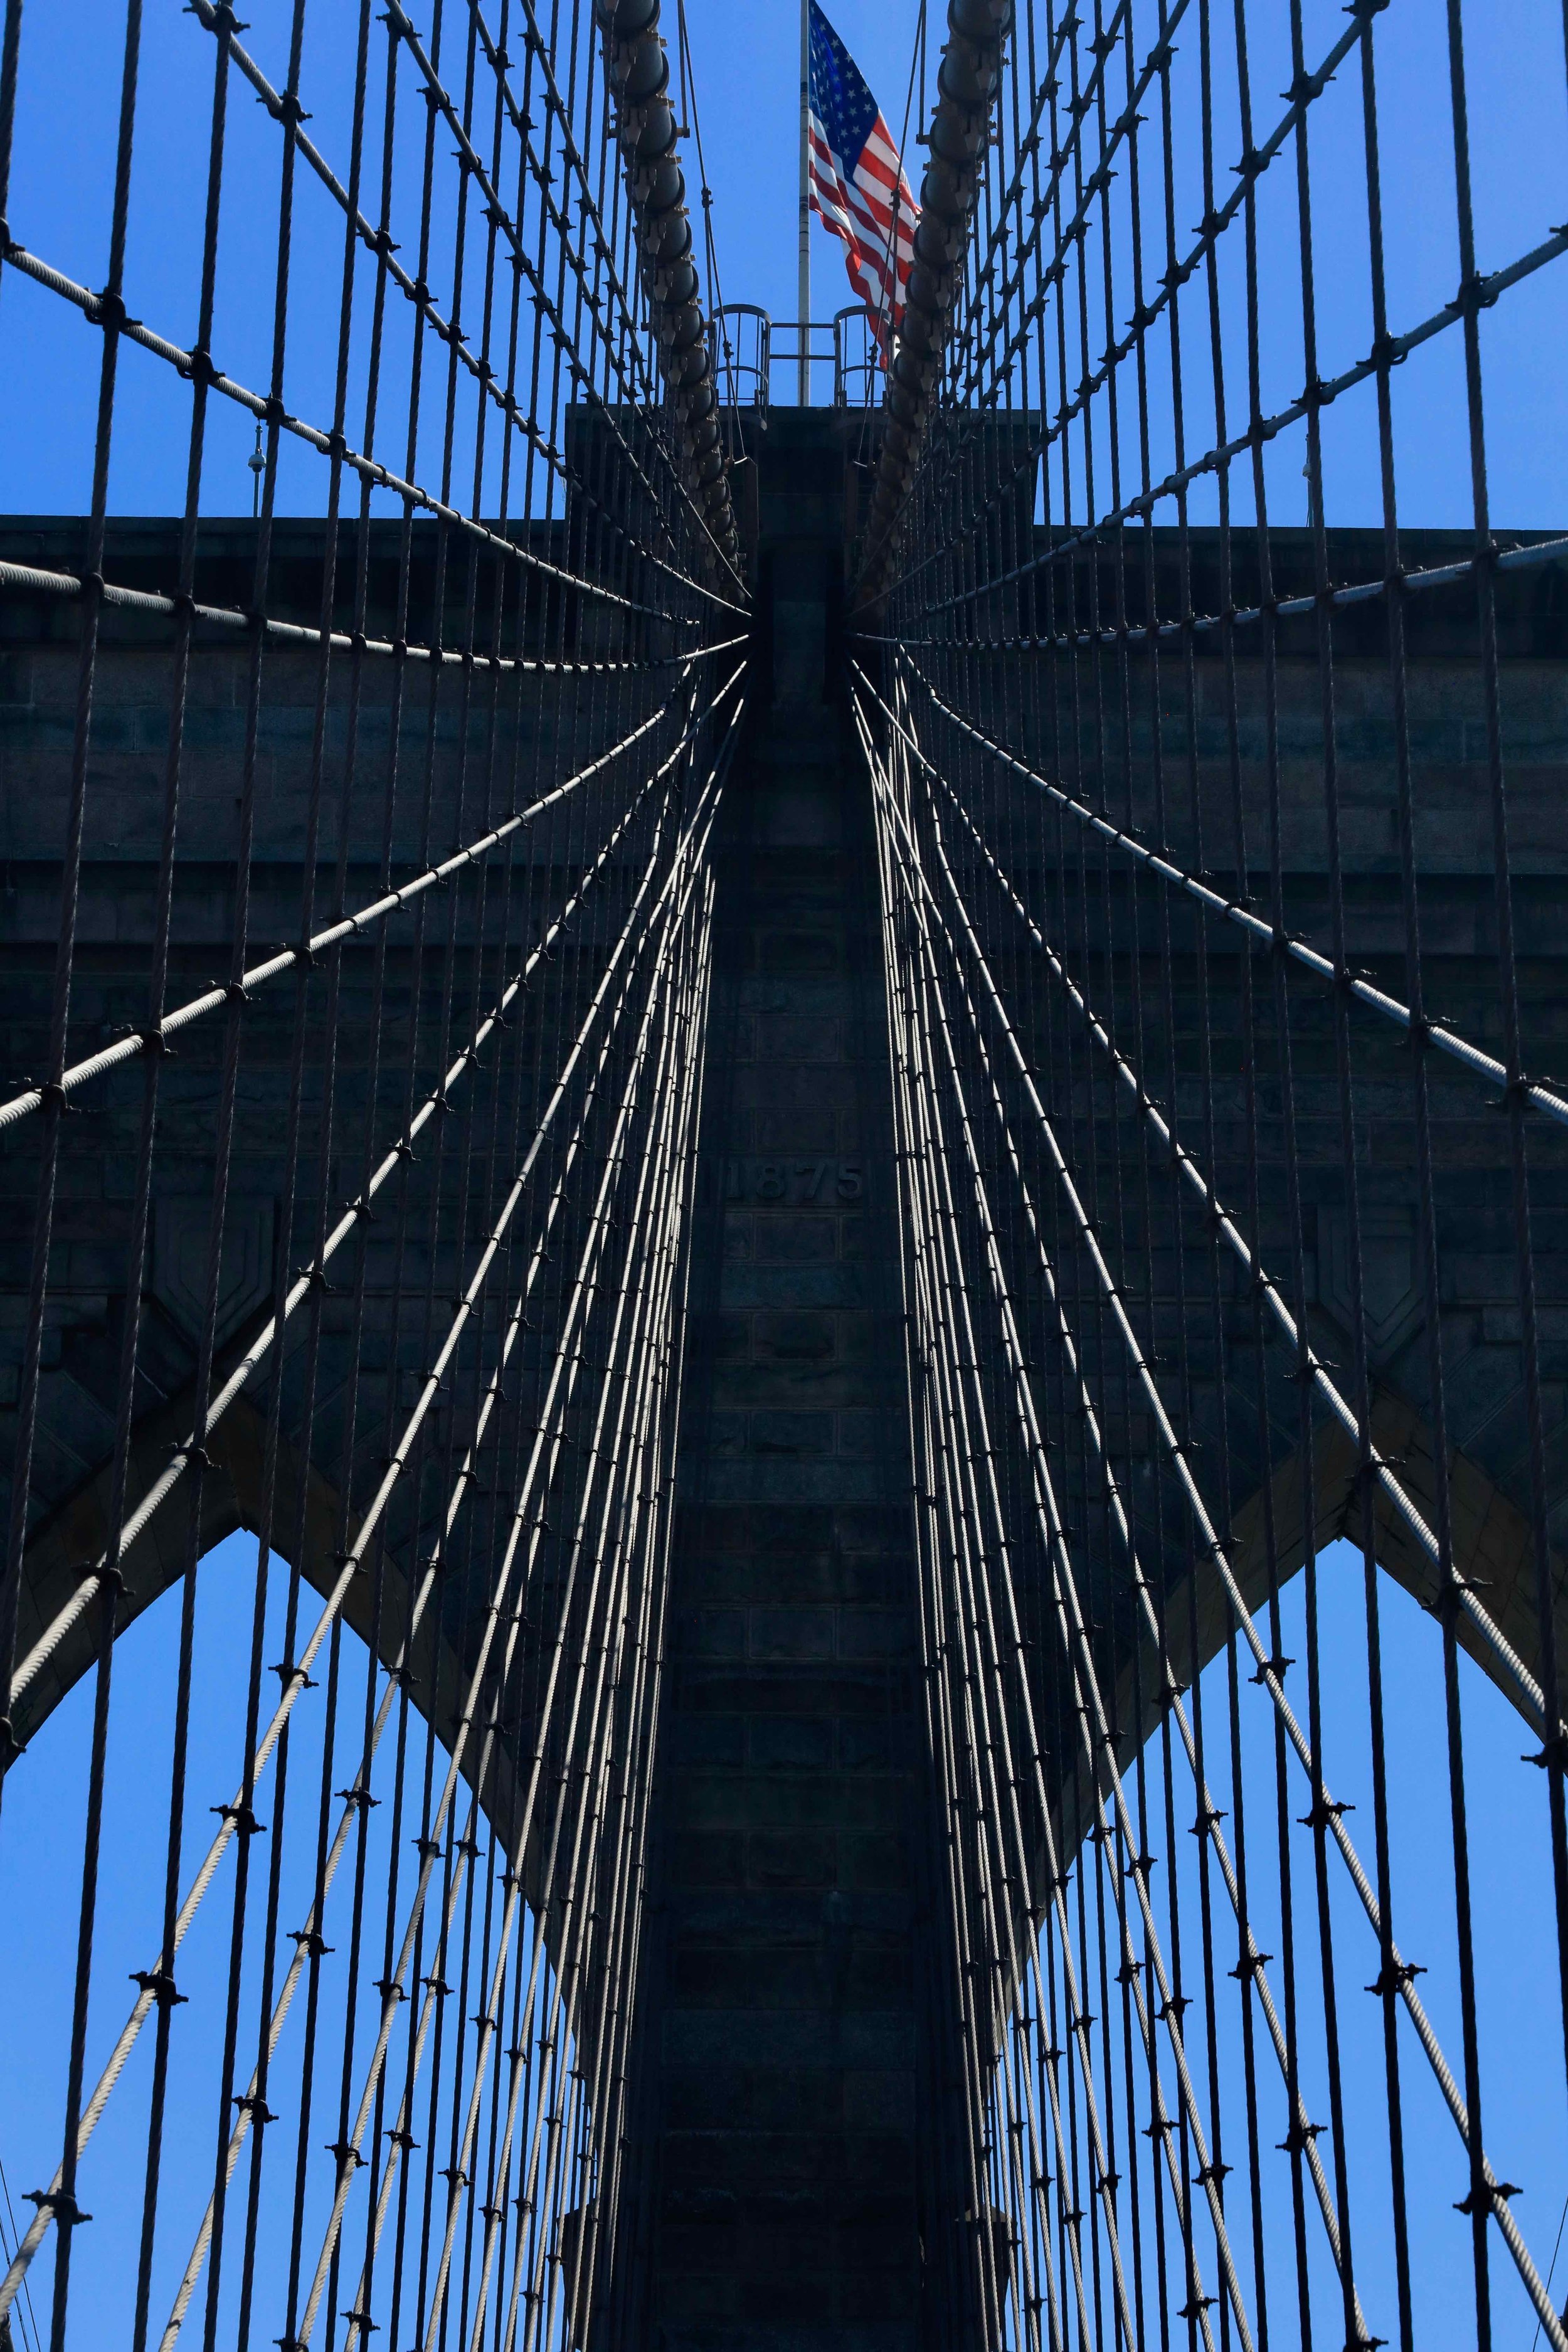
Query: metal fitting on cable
[
  {"x": 638, "y": 71},
  {"x": 959, "y": 132}
]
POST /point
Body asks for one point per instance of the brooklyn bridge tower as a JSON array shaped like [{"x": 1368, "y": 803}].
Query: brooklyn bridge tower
[{"x": 783, "y": 1232}]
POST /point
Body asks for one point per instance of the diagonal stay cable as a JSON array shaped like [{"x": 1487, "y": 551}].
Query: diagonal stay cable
[
  {"x": 633, "y": 934},
  {"x": 1484, "y": 292},
  {"x": 308, "y": 1279},
  {"x": 1413, "y": 580},
  {"x": 212, "y": 1000},
  {"x": 622, "y": 1508},
  {"x": 1390, "y": 350},
  {"x": 917, "y": 892},
  {"x": 1527, "y": 1690},
  {"x": 620, "y": 1460},
  {"x": 1356, "y": 986},
  {"x": 395, "y": 1670},
  {"x": 32, "y": 579},
  {"x": 195, "y": 365},
  {"x": 391, "y": 902},
  {"x": 701, "y": 817},
  {"x": 942, "y": 1405},
  {"x": 566, "y": 1359},
  {"x": 1253, "y": 1971},
  {"x": 560, "y": 218},
  {"x": 1058, "y": 161},
  {"x": 923, "y": 1151},
  {"x": 589, "y": 201},
  {"x": 600, "y": 1224},
  {"x": 473, "y": 165},
  {"x": 1212, "y": 1547},
  {"x": 448, "y": 331},
  {"x": 598, "y": 2243},
  {"x": 1267, "y": 1675}
]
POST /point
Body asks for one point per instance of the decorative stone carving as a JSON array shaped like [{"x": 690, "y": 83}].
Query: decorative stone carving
[
  {"x": 1391, "y": 1276},
  {"x": 181, "y": 1242}
]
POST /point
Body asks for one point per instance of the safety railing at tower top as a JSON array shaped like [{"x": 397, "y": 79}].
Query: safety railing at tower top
[
  {"x": 745, "y": 341},
  {"x": 856, "y": 362},
  {"x": 739, "y": 338},
  {"x": 794, "y": 340}
]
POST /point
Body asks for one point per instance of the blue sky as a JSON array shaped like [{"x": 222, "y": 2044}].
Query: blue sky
[
  {"x": 40, "y": 1867},
  {"x": 748, "y": 98},
  {"x": 746, "y": 68},
  {"x": 746, "y": 73},
  {"x": 40, "y": 1846}
]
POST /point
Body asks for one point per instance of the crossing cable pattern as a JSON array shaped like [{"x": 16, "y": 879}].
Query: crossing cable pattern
[
  {"x": 1190, "y": 1154},
  {"x": 396, "y": 1266}
]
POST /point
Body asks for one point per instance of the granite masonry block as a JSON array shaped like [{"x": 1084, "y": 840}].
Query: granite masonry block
[
  {"x": 782, "y": 1915},
  {"x": 860, "y": 1336},
  {"x": 786, "y": 1085},
  {"x": 720, "y": 1800},
  {"x": 776, "y": 2245},
  {"x": 736, "y": 1528},
  {"x": 768, "y": 1288},
  {"x": 872, "y": 1860},
  {"x": 789, "y": 1432},
  {"x": 770, "y": 1383},
  {"x": 703, "y": 1977},
  {"x": 887, "y": 2290},
  {"x": 697, "y": 1860},
  {"x": 879, "y": 2099},
  {"x": 872, "y": 2159},
  {"x": 729, "y": 1335},
  {"x": 697, "y": 1740},
  {"x": 760, "y": 1477},
  {"x": 865, "y": 1436},
  {"x": 803, "y": 1800},
  {"x": 791, "y": 1858},
  {"x": 882, "y": 1747},
  {"x": 795, "y": 1036},
  {"x": 794, "y": 1338},
  {"x": 804, "y": 2098},
  {"x": 796, "y": 1132},
  {"x": 750, "y": 2037},
  {"x": 798, "y": 952},
  {"x": 708, "y": 2098},
  {"x": 808, "y": 1576},
  {"x": 782, "y": 1743},
  {"x": 712, "y": 1633},
  {"x": 765, "y": 1689},
  {"x": 795, "y": 1240},
  {"x": 796, "y": 2295},
  {"x": 876, "y": 1632},
  {"x": 890, "y": 2335},
  {"x": 791, "y": 1634}
]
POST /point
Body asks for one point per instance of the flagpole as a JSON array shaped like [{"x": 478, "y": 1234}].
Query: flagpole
[{"x": 803, "y": 281}]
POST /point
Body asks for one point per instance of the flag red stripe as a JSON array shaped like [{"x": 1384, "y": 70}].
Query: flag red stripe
[
  {"x": 872, "y": 212},
  {"x": 877, "y": 216}
]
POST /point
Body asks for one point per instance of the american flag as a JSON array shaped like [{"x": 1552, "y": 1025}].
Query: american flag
[{"x": 856, "y": 181}]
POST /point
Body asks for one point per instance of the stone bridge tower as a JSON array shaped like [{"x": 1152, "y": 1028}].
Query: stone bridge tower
[{"x": 796, "y": 2125}]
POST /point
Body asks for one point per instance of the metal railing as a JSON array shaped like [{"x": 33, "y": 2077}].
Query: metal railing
[
  {"x": 739, "y": 338},
  {"x": 856, "y": 362},
  {"x": 745, "y": 342}
]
